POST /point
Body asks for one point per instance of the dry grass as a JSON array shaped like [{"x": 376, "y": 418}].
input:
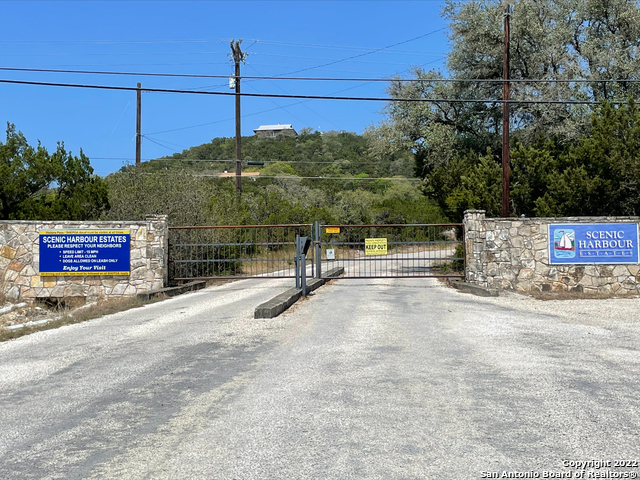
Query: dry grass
[
  {"x": 269, "y": 265},
  {"x": 260, "y": 267},
  {"x": 102, "y": 308},
  {"x": 3, "y": 285}
]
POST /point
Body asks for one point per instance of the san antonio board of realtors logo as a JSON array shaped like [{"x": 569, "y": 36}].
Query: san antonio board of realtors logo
[{"x": 564, "y": 243}]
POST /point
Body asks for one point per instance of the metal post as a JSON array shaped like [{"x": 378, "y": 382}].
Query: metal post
[
  {"x": 505, "y": 115},
  {"x": 303, "y": 277},
  {"x": 138, "y": 124},
  {"x": 318, "y": 252},
  {"x": 296, "y": 261}
]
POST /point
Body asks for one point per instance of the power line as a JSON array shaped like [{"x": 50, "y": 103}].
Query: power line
[
  {"x": 164, "y": 141},
  {"x": 291, "y": 162},
  {"x": 263, "y": 111},
  {"x": 325, "y": 79},
  {"x": 295, "y": 177},
  {"x": 224, "y": 120},
  {"x": 182, "y": 160},
  {"x": 108, "y": 42},
  {"x": 368, "y": 53},
  {"x": 338, "y": 47},
  {"x": 115, "y": 54},
  {"x": 303, "y": 104},
  {"x": 311, "y": 97},
  {"x": 392, "y": 52},
  {"x": 158, "y": 143}
]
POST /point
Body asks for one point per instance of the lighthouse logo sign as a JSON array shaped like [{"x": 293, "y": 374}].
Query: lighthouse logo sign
[{"x": 564, "y": 243}]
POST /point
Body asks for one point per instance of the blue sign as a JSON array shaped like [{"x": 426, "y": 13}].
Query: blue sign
[
  {"x": 84, "y": 252},
  {"x": 589, "y": 243}
]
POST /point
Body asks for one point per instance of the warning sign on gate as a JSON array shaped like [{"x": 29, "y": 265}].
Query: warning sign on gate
[{"x": 375, "y": 246}]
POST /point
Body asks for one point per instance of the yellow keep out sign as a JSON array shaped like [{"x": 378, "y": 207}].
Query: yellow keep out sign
[{"x": 375, "y": 246}]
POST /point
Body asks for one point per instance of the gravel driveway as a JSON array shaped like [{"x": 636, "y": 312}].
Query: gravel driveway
[{"x": 375, "y": 379}]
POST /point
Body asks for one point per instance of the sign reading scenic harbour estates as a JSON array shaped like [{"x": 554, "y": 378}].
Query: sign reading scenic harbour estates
[
  {"x": 589, "y": 243},
  {"x": 84, "y": 252},
  {"x": 375, "y": 246}
]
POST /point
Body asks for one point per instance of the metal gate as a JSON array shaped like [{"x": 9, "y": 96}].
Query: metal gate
[
  {"x": 391, "y": 251},
  {"x": 268, "y": 251},
  {"x": 241, "y": 251}
]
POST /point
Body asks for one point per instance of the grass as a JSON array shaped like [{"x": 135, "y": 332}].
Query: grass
[
  {"x": 106, "y": 307},
  {"x": 268, "y": 263}
]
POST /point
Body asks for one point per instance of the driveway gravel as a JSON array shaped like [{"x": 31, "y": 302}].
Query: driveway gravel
[{"x": 375, "y": 379}]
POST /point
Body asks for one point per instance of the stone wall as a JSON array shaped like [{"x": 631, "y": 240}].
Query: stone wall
[
  {"x": 19, "y": 261},
  {"x": 512, "y": 253}
]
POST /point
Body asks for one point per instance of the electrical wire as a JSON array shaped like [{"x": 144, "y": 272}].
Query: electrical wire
[
  {"x": 302, "y": 103},
  {"x": 311, "y": 97},
  {"x": 367, "y": 53},
  {"x": 294, "y": 177},
  {"x": 231, "y": 160},
  {"x": 108, "y": 42},
  {"x": 292, "y": 162},
  {"x": 224, "y": 120},
  {"x": 164, "y": 141},
  {"x": 326, "y": 79},
  {"x": 158, "y": 143}
]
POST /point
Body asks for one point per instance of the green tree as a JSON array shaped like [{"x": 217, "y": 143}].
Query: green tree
[
  {"x": 600, "y": 175},
  {"x": 557, "y": 40},
  {"x": 182, "y": 195},
  {"x": 39, "y": 186}
]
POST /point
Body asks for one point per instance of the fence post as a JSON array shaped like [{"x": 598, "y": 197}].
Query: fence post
[
  {"x": 296, "y": 261},
  {"x": 313, "y": 264},
  {"x": 303, "y": 276},
  {"x": 318, "y": 252}
]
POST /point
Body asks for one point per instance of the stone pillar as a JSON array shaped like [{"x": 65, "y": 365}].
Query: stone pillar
[
  {"x": 160, "y": 227},
  {"x": 474, "y": 236}
]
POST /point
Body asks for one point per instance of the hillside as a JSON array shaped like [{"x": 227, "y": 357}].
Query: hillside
[
  {"x": 309, "y": 154},
  {"x": 356, "y": 187}
]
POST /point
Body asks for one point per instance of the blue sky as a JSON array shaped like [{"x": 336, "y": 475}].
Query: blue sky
[{"x": 193, "y": 38}]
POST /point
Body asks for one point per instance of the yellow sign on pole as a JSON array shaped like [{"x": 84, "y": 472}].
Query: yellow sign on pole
[
  {"x": 375, "y": 246},
  {"x": 333, "y": 229}
]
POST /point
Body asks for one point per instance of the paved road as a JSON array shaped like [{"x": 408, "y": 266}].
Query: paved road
[{"x": 375, "y": 379}]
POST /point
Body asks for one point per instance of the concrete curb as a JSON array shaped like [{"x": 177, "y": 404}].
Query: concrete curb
[
  {"x": 172, "y": 291},
  {"x": 10, "y": 308},
  {"x": 31, "y": 324},
  {"x": 280, "y": 303},
  {"x": 475, "y": 289}
]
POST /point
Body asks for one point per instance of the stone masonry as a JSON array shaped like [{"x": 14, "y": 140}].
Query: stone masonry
[
  {"x": 512, "y": 253},
  {"x": 19, "y": 261}
]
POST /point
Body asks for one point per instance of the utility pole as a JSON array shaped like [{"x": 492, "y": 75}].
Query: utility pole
[
  {"x": 508, "y": 9},
  {"x": 238, "y": 56},
  {"x": 138, "y": 124}
]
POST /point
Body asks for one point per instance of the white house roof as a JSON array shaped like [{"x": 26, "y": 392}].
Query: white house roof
[{"x": 264, "y": 128}]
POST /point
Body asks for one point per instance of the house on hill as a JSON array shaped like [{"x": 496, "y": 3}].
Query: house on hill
[{"x": 272, "y": 131}]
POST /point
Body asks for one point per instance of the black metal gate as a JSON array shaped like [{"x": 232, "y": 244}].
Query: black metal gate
[
  {"x": 391, "y": 251},
  {"x": 240, "y": 251},
  {"x": 268, "y": 251}
]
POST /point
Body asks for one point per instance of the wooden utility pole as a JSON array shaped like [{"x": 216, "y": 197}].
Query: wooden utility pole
[
  {"x": 238, "y": 56},
  {"x": 138, "y": 124},
  {"x": 508, "y": 9}
]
